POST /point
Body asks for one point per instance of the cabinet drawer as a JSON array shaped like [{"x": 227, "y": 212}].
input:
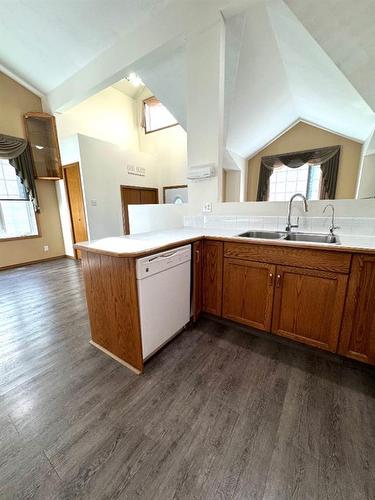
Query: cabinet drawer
[{"x": 324, "y": 260}]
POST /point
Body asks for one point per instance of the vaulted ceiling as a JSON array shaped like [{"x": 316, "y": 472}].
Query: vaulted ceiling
[
  {"x": 346, "y": 31},
  {"x": 285, "y": 60},
  {"x": 283, "y": 76},
  {"x": 46, "y": 41}
]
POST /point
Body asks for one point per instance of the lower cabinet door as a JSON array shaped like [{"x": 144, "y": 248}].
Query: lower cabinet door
[
  {"x": 248, "y": 292},
  {"x": 357, "y": 338},
  {"x": 308, "y": 306}
]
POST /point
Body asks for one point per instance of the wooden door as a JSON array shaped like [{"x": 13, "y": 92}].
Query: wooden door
[
  {"x": 212, "y": 276},
  {"x": 74, "y": 192},
  {"x": 357, "y": 338},
  {"x": 308, "y": 306},
  {"x": 197, "y": 280},
  {"x": 135, "y": 195},
  {"x": 248, "y": 292}
]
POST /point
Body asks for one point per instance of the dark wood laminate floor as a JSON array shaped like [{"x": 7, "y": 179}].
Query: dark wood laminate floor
[{"x": 218, "y": 414}]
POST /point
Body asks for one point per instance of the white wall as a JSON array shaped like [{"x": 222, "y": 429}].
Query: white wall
[
  {"x": 104, "y": 170},
  {"x": 205, "y": 109},
  {"x": 367, "y": 181},
  {"x": 104, "y": 134},
  {"x": 144, "y": 218},
  {"x": 232, "y": 185},
  {"x": 344, "y": 208}
]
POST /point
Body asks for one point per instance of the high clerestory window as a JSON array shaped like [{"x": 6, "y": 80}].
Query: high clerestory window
[
  {"x": 156, "y": 116},
  {"x": 17, "y": 216}
]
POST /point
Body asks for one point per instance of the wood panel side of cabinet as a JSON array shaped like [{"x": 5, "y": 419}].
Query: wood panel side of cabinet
[
  {"x": 357, "y": 339},
  {"x": 308, "y": 306},
  {"x": 112, "y": 302},
  {"x": 197, "y": 258},
  {"x": 212, "y": 276}
]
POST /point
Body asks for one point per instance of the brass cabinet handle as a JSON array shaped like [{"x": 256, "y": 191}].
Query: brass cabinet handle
[
  {"x": 270, "y": 279},
  {"x": 197, "y": 256},
  {"x": 278, "y": 280}
]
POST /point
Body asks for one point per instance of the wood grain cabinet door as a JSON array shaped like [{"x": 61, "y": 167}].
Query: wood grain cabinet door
[
  {"x": 197, "y": 280},
  {"x": 212, "y": 276},
  {"x": 308, "y": 306},
  {"x": 248, "y": 289},
  {"x": 357, "y": 338}
]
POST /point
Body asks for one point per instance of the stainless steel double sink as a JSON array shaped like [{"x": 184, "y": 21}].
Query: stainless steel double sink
[{"x": 283, "y": 235}]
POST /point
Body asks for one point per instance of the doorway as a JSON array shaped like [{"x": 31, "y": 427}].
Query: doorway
[
  {"x": 72, "y": 180},
  {"x": 136, "y": 195}
]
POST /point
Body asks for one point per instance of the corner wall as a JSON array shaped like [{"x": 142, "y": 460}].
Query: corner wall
[{"x": 15, "y": 101}]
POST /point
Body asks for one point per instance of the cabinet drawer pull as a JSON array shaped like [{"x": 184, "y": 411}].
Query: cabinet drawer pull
[
  {"x": 278, "y": 280},
  {"x": 270, "y": 279},
  {"x": 197, "y": 256}
]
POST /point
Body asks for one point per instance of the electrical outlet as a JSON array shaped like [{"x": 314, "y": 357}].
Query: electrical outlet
[
  {"x": 93, "y": 203},
  {"x": 46, "y": 248},
  {"x": 207, "y": 207}
]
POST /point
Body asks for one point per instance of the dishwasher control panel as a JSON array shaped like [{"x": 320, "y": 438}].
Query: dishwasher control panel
[{"x": 157, "y": 263}]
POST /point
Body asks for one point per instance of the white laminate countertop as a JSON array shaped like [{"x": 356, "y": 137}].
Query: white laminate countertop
[{"x": 144, "y": 243}]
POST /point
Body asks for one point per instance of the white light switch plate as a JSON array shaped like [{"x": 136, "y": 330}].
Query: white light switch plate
[{"x": 207, "y": 207}]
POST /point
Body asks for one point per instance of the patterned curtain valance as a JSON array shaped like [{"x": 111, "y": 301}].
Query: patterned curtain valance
[
  {"x": 11, "y": 147},
  {"x": 327, "y": 158},
  {"x": 299, "y": 158}
]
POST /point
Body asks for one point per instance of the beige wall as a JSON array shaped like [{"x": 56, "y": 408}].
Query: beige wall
[
  {"x": 15, "y": 101},
  {"x": 303, "y": 136}
]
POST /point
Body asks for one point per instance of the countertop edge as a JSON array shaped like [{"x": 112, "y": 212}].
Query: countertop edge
[{"x": 85, "y": 247}]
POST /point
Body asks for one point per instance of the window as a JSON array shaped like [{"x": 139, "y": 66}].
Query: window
[
  {"x": 285, "y": 181},
  {"x": 17, "y": 217},
  {"x": 156, "y": 116}
]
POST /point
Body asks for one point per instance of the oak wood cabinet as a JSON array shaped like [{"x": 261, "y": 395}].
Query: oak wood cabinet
[
  {"x": 308, "y": 306},
  {"x": 212, "y": 277},
  {"x": 197, "y": 279},
  {"x": 112, "y": 302},
  {"x": 42, "y": 137},
  {"x": 357, "y": 338},
  {"x": 248, "y": 289}
]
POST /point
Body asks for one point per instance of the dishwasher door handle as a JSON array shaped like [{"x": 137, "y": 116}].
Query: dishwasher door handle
[{"x": 163, "y": 256}]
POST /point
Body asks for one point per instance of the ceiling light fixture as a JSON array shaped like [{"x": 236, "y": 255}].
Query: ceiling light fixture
[{"x": 134, "y": 80}]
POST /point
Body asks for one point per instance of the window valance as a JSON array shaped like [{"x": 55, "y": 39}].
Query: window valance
[
  {"x": 17, "y": 151},
  {"x": 327, "y": 158},
  {"x": 11, "y": 147}
]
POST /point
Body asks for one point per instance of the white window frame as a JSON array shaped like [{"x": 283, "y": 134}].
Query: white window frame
[
  {"x": 147, "y": 106},
  {"x": 304, "y": 191},
  {"x": 31, "y": 215}
]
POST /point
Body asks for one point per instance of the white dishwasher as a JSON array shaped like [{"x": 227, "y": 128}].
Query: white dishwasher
[{"x": 163, "y": 281}]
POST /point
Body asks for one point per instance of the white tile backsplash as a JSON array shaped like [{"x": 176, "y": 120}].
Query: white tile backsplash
[{"x": 359, "y": 226}]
